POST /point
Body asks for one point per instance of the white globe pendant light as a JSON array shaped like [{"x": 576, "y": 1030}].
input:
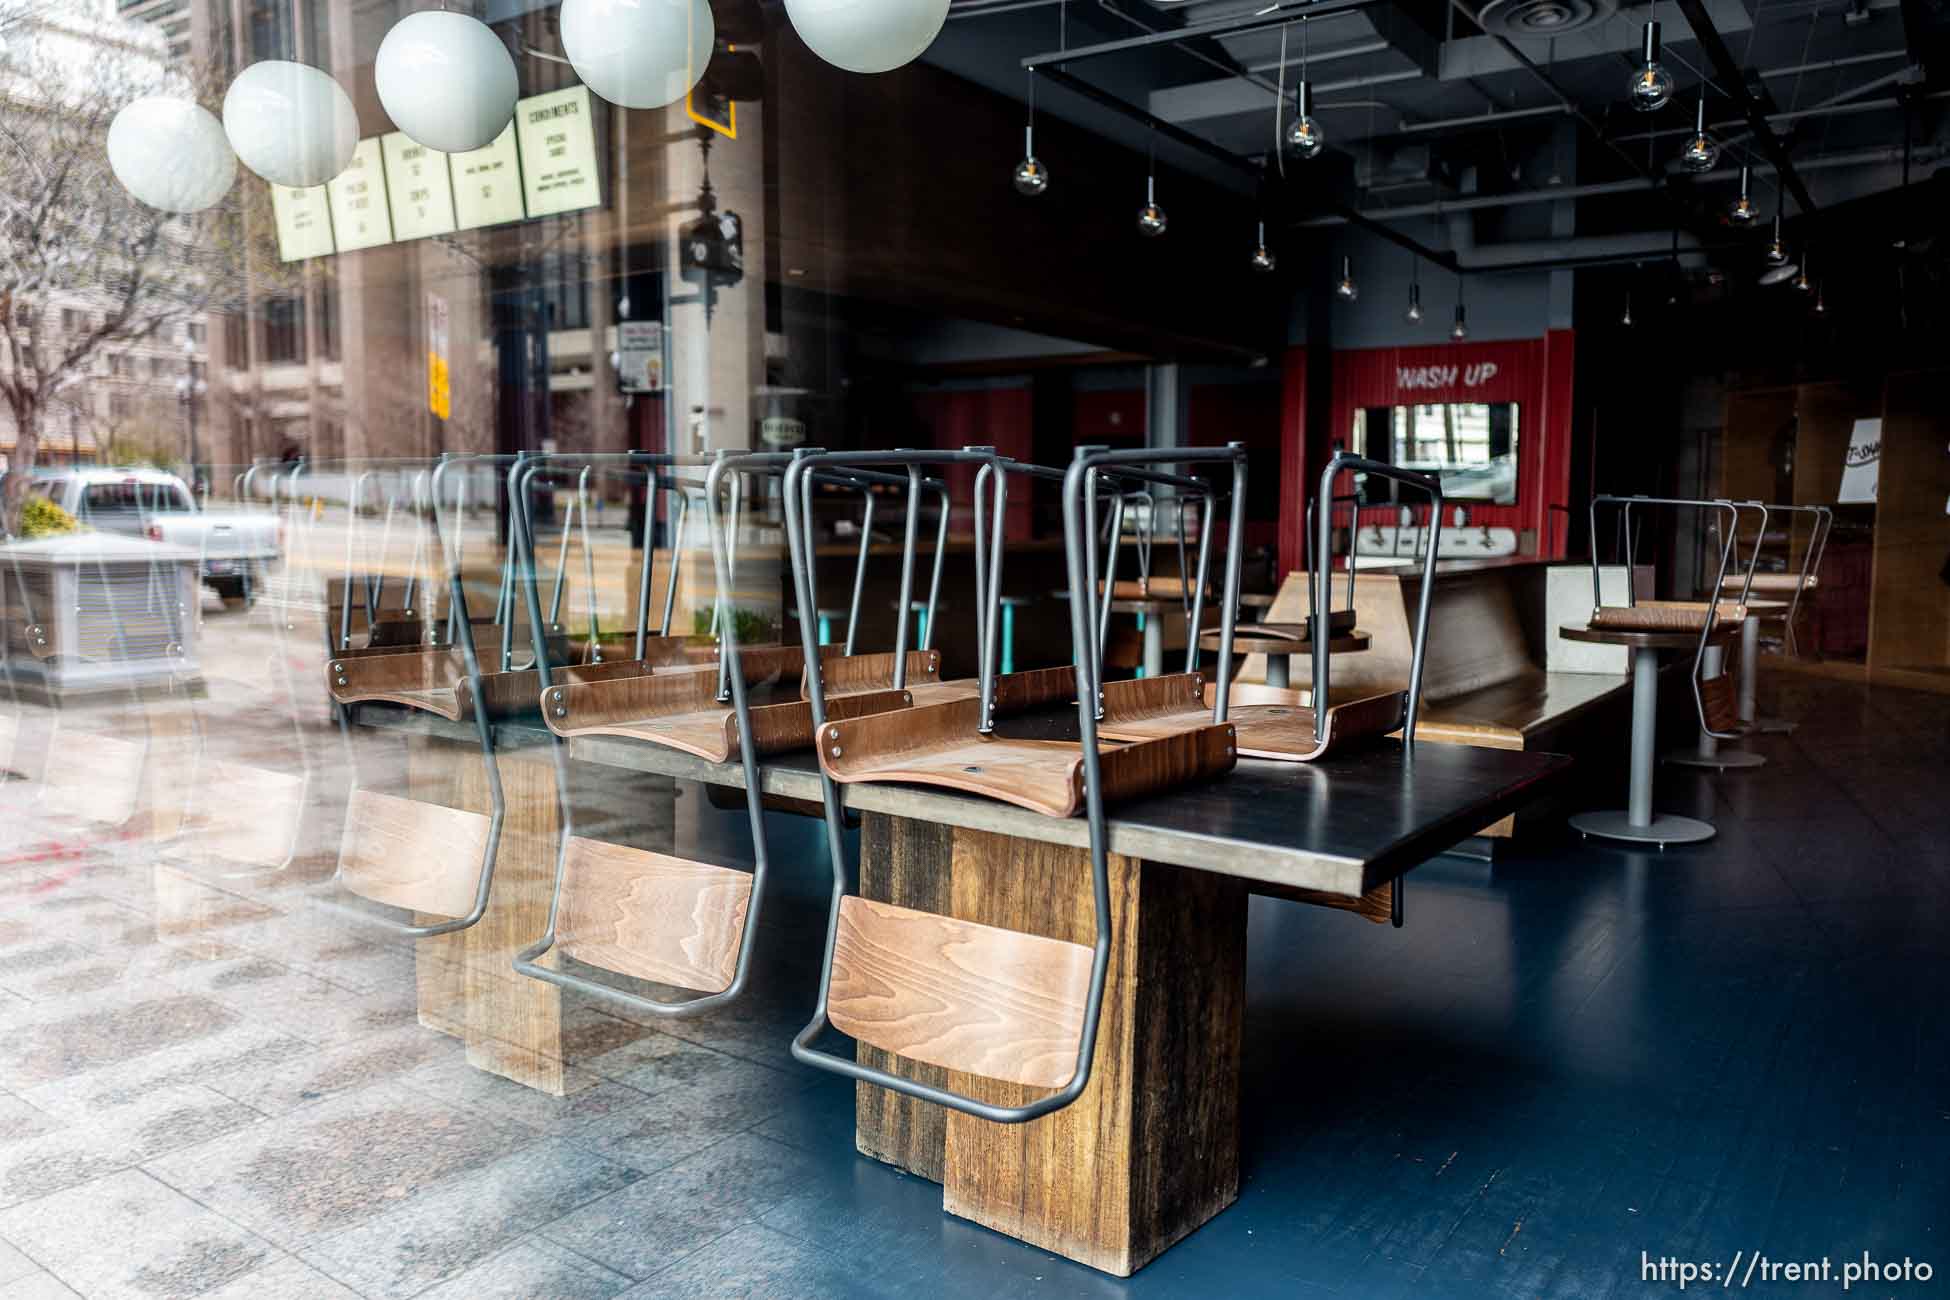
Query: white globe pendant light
[
  {"x": 867, "y": 35},
  {"x": 290, "y": 123},
  {"x": 446, "y": 80},
  {"x": 171, "y": 153},
  {"x": 638, "y": 53}
]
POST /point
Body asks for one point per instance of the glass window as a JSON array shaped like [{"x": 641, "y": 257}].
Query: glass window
[
  {"x": 129, "y": 497},
  {"x": 284, "y": 330}
]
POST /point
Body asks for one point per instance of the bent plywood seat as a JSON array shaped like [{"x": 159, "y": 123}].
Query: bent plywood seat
[
  {"x": 976, "y": 998},
  {"x": 1667, "y": 615},
  {"x": 652, "y": 916},
  {"x": 1271, "y": 723},
  {"x": 243, "y": 815},
  {"x": 662, "y": 651},
  {"x": 92, "y": 778},
  {"x": 682, "y": 711},
  {"x": 761, "y": 665},
  {"x": 420, "y": 856},
  {"x": 1719, "y": 703},
  {"x": 843, "y": 674},
  {"x": 941, "y": 745},
  {"x": 1771, "y": 584},
  {"x": 436, "y": 681}
]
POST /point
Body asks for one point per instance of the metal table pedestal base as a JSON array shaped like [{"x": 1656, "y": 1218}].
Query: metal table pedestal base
[
  {"x": 1664, "y": 828},
  {"x": 1719, "y": 760},
  {"x": 1640, "y": 825}
]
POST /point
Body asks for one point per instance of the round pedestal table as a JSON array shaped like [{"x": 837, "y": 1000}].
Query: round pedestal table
[{"x": 1637, "y": 823}]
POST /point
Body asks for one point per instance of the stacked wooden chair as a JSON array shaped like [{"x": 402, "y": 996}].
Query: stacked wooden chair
[
  {"x": 1010, "y": 1007},
  {"x": 1280, "y": 724},
  {"x": 1715, "y": 691},
  {"x": 428, "y": 860}
]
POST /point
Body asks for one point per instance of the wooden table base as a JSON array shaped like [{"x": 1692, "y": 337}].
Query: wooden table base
[
  {"x": 1150, "y": 1151},
  {"x": 467, "y": 984}
]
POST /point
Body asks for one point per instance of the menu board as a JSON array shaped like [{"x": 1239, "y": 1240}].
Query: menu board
[
  {"x": 360, "y": 216},
  {"x": 544, "y": 162},
  {"x": 304, "y": 222},
  {"x": 487, "y": 183},
  {"x": 558, "y": 151},
  {"x": 419, "y": 189}
]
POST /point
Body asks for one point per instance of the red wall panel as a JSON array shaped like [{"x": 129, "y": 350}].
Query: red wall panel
[
  {"x": 979, "y": 417},
  {"x": 1533, "y": 373}
]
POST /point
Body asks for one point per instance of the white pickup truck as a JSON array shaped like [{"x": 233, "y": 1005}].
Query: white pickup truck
[{"x": 236, "y": 545}]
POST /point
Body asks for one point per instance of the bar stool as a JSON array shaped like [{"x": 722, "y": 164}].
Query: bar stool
[
  {"x": 1724, "y": 705},
  {"x": 1645, "y": 628},
  {"x": 1010, "y": 604}
]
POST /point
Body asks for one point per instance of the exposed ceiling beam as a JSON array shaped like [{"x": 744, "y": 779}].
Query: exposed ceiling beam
[
  {"x": 1733, "y": 84},
  {"x": 1199, "y": 144},
  {"x": 1315, "y": 11}
]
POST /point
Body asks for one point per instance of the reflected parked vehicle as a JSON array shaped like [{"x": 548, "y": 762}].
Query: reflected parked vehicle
[{"x": 235, "y": 546}]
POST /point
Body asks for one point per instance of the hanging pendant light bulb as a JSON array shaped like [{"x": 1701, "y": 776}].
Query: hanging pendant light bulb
[
  {"x": 1346, "y": 290},
  {"x": 1702, "y": 152},
  {"x": 1460, "y": 330},
  {"x": 1626, "y": 319},
  {"x": 1802, "y": 283},
  {"x": 1031, "y": 177},
  {"x": 1777, "y": 253},
  {"x": 1821, "y": 307},
  {"x": 1304, "y": 139},
  {"x": 1651, "y": 88},
  {"x": 1743, "y": 212},
  {"x": 1414, "y": 313},
  {"x": 1263, "y": 260},
  {"x": 1151, "y": 217}
]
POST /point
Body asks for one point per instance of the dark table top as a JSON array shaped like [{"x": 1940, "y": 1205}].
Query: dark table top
[{"x": 1341, "y": 826}]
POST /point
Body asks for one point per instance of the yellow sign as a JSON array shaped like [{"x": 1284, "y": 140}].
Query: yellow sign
[
  {"x": 487, "y": 183},
  {"x": 558, "y": 151},
  {"x": 360, "y": 217},
  {"x": 440, "y": 389},
  {"x": 418, "y": 188}
]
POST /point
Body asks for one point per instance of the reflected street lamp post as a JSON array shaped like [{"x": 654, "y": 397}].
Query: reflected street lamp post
[{"x": 188, "y": 389}]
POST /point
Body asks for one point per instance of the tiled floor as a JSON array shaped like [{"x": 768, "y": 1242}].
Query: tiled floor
[{"x": 1580, "y": 1055}]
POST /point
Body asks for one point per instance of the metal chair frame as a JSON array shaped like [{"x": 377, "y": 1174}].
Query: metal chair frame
[
  {"x": 1079, "y": 541},
  {"x": 497, "y": 798},
  {"x": 1729, "y": 514},
  {"x": 1320, "y": 588}
]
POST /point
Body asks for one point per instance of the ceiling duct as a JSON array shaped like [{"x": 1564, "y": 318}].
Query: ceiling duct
[{"x": 1541, "y": 19}]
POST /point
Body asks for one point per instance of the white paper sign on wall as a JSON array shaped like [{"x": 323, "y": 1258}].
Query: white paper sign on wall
[{"x": 1861, "y": 463}]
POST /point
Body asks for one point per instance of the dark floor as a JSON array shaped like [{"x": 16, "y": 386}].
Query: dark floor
[{"x": 1563, "y": 1061}]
